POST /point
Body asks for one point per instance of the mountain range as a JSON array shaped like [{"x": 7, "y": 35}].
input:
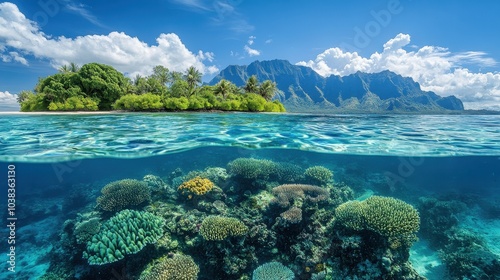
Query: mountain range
[{"x": 301, "y": 89}]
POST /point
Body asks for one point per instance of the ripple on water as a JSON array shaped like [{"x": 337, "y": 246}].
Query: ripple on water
[{"x": 62, "y": 137}]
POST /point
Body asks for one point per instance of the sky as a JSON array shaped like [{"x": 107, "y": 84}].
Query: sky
[{"x": 449, "y": 47}]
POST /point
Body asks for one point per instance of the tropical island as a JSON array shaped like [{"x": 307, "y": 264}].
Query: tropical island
[{"x": 100, "y": 87}]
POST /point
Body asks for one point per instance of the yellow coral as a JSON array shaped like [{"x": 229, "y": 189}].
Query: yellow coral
[{"x": 197, "y": 185}]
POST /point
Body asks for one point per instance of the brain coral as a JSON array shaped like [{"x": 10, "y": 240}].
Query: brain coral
[
  {"x": 388, "y": 216},
  {"x": 127, "y": 232},
  {"x": 273, "y": 271},
  {"x": 180, "y": 267},
  {"x": 219, "y": 228},
  {"x": 197, "y": 185},
  {"x": 122, "y": 194}
]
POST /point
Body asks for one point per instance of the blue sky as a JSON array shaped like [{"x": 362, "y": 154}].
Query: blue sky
[{"x": 450, "y": 47}]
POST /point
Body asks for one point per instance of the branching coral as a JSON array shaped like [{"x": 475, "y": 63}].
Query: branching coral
[
  {"x": 127, "y": 232},
  {"x": 273, "y": 271},
  {"x": 197, "y": 186},
  {"x": 180, "y": 267},
  {"x": 319, "y": 174},
  {"x": 387, "y": 216},
  {"x": 122, "y": 194},
  {"x": 220, "y": 228},
  {"x": 250, "y": 168},
  {"x": 86, "y": 229},
  {"x": 292, "y": 215},
  {"x": 287, "y": 192}
]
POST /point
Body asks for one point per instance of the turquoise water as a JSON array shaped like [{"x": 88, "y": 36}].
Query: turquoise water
[{"x": 446, "y": 167}]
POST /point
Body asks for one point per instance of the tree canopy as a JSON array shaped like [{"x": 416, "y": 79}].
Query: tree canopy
[{"x": 97, "y": 86}]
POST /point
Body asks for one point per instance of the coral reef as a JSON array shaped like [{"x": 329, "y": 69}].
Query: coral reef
[
  {"x": 225, "y": 223},
  {"x": 251, "y": 168},
  {"x": 85, "y": 230},
  {"x": 123, "y": 194},
  {"x": 318, "y": 175},
  {"x": 154, "y": 182},
  {"x": 127, "y": 232},
  {"x": 465, "y": 254},
  {"x": 287, "y": 192},
  {"x": 196, "y": 186},
  {"x": 220, "y": 228},
  {"x": 387, "y": 216},
  {"x": 286, "y": 172},
  {"x": 292, "y": 215},
  {"x": 180, "y": 267},
  {"x": 273, "y": 271}
]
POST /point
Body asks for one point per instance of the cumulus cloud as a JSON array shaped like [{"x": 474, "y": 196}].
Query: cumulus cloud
[
  {"x": 8, "y": 102},
  {"x": 250, "y": 51},
  {"x": 435, "y": 68},
  {"x": 20, "y": 37}
]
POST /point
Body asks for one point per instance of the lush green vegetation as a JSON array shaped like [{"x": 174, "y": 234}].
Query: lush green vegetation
[{"x": 97, "y": 86}]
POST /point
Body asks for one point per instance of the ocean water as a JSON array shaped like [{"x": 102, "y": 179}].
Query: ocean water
[{"x": 447, "y": 168}]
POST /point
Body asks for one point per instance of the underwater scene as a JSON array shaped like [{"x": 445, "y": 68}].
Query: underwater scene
[{"x": 250, "y": 196}]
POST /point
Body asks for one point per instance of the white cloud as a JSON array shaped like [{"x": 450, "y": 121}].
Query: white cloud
[
  {"x": 251, "y": 40},
  {"x": 250, "y": 51},
  {"x": 8, "y": 102},
  {"x": 127, "y": 54},
  {"x": 269, "y": 41},
  {"x": 435, "y": 68}
]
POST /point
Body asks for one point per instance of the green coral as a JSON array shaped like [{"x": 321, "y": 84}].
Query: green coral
[
  {"x": 180, "y": 267},
  {"x": 319, "y": 174},
  {"x": 127, "y": 232},
  {"x": 84, "y": 231},
  {"x": 220, "y": 228},
  {"x": 387, "y": 216},
  {"x": 122, "y": 194},
  {"x": 272, "y": 271},
  {"x": 351, "y": 214},
  {"x": 288, "y": 172},
  {"x": 251, "y": 168}
]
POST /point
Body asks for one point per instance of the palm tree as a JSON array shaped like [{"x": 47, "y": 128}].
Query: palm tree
[
  {"x": 69, "y": 68},
  {"x": 73, "y": 67},
  {"x": 223, "y": 88},
  {"x": 267, "y": 90},
  {"x": 162, "y": 74},
  {"x": 64, "y": 69},
  {"x": 193, "y": 78},
  {"x": 252, "y": 85}
]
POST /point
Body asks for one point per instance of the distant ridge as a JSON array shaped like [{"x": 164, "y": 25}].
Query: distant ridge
[{"x": 304, "y": 90}]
